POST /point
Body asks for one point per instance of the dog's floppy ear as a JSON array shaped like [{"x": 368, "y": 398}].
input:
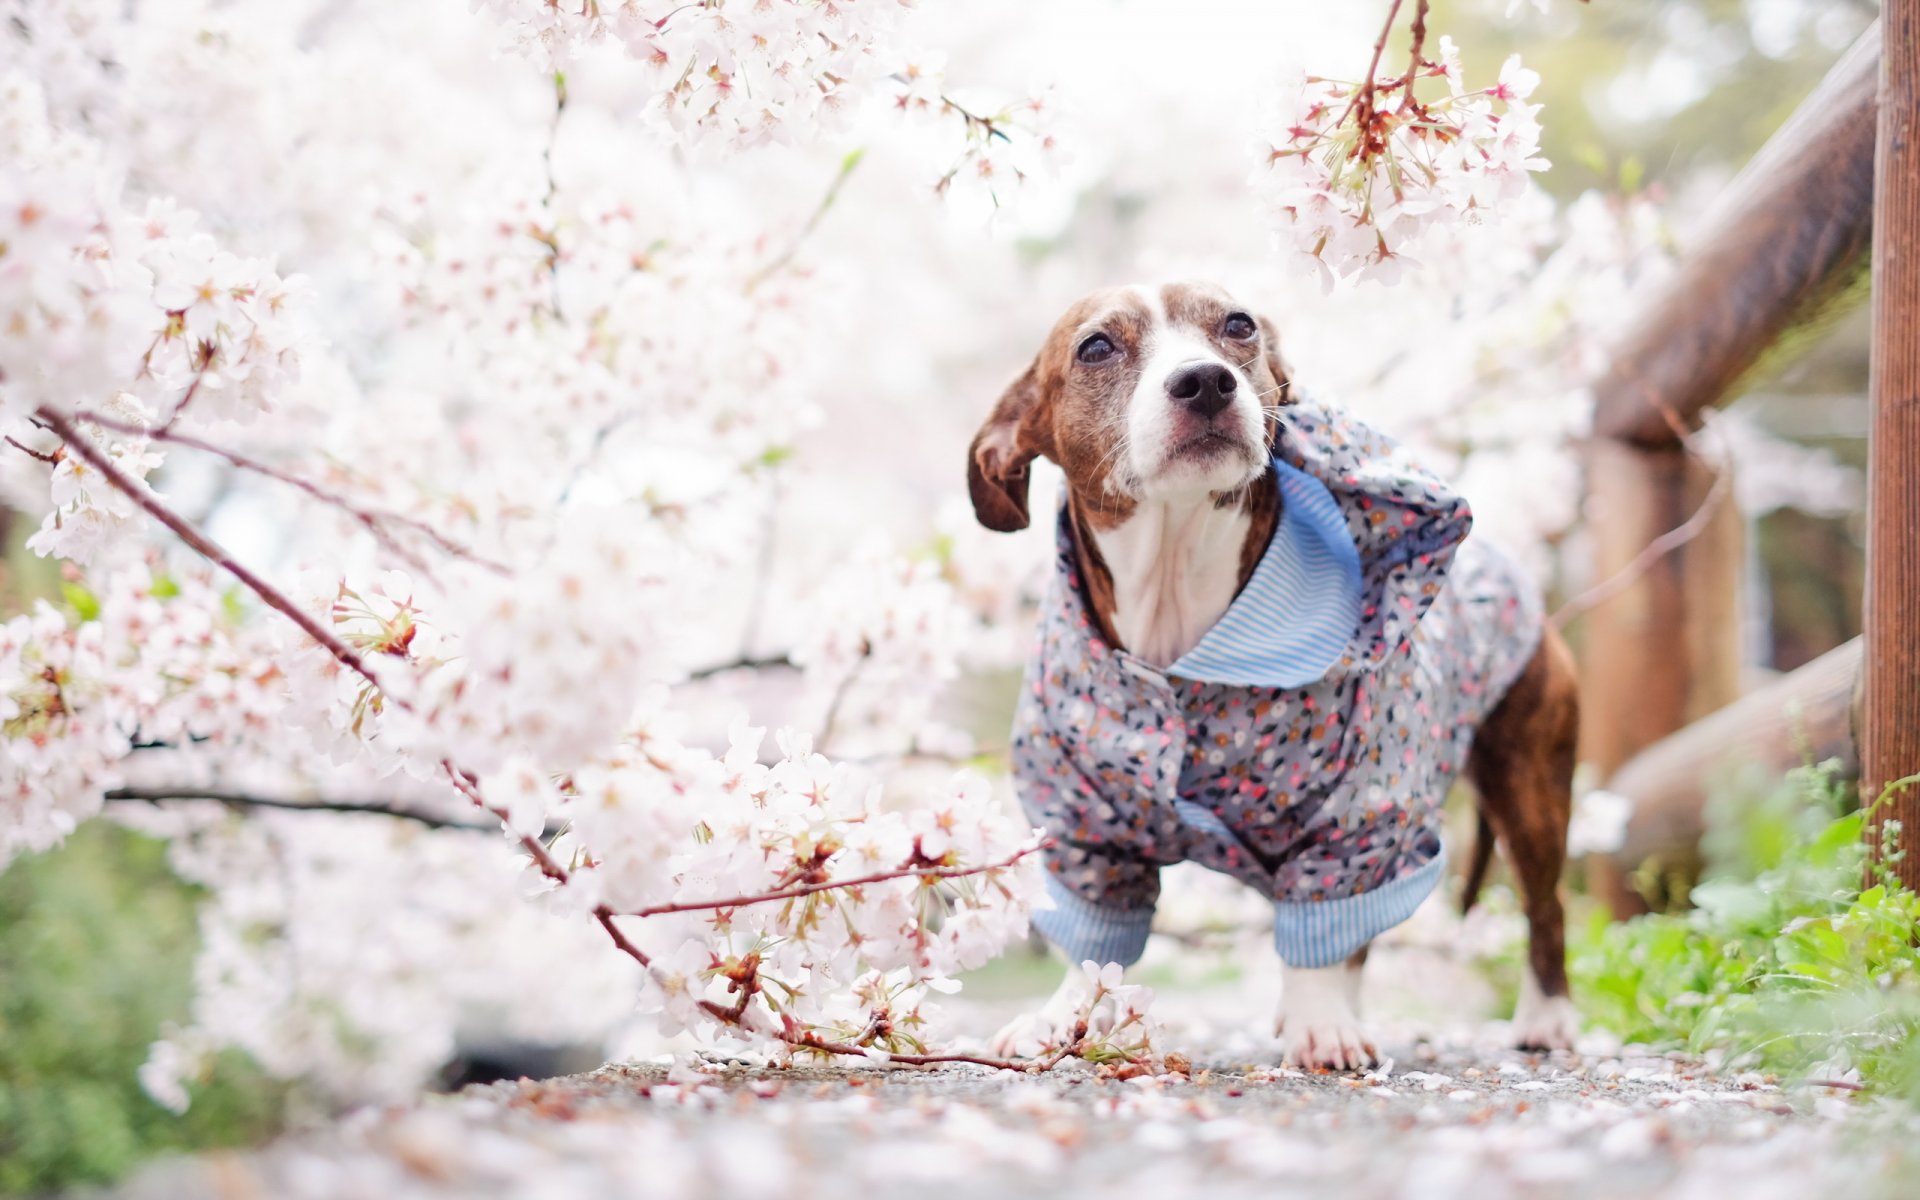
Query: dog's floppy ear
[
  {"x": 1002, "y": 453},
  {"x": 1276, "y": 366}
]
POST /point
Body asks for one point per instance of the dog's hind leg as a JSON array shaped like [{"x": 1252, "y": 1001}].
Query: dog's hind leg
[{"x": 1522, "y": 766}]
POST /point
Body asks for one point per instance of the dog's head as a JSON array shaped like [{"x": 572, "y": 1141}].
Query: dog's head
[{"x": 1139, "y": 394}]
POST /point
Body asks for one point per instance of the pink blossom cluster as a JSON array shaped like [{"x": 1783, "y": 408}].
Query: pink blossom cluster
[
  {"x": 661, "y": 828},
  {"x": 733, "y": 73},
  {"x": 100, "y": 299},
  {"x": 1003, "y": 145},
  {"x": 143, "y": 657},
  {"x": 1361, "y": 176}
]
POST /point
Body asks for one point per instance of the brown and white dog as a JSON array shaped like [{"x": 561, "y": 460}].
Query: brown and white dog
[{"x": 1160, "y": 405}]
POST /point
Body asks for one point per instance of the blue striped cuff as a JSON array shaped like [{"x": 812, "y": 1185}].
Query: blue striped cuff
[
  {"x": 1082, "y": 930},
  {"x": 1320, "y": 933}
]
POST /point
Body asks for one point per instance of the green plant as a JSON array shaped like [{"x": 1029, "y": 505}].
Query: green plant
[
  {"x": 97, "y": 942},
  {"x": 1785, "y": 961}
]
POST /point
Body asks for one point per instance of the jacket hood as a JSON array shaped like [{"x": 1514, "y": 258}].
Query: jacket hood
[{"x": 1406, "y": 521}]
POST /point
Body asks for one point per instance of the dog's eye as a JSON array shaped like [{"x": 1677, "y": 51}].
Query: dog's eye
[
  {"x": 1095, "y": 350},
  {"x": 1239, "y": 327}
]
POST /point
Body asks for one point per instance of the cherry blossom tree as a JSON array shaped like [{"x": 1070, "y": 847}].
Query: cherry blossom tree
[{"x": 522, "y": 422}]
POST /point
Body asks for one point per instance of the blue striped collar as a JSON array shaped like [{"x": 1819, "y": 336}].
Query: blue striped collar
[{"x": 1296, "y": 616}]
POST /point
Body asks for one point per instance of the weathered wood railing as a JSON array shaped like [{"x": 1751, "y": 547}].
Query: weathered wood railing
[{"x": 1786, "y": 247}]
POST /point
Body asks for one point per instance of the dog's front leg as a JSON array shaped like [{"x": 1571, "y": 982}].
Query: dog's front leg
[{"x": 1319, "y": 1019}]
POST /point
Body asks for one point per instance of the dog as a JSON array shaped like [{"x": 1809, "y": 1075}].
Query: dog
[{"x": 1269, "y": 648}]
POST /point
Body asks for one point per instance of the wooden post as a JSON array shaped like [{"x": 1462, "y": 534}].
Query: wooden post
[
  {"x": 1890, "y": 710},
  {"x": 1666, "y": 650}
]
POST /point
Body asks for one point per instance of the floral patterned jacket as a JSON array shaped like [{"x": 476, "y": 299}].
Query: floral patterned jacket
[{"x": 1306, "y": 744}]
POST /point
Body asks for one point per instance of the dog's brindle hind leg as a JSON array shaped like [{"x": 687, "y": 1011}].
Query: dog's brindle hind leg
[{"x": 1522, "y": 766}]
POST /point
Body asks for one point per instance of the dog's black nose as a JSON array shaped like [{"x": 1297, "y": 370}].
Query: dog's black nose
[{"x": 1202, "y": 388}]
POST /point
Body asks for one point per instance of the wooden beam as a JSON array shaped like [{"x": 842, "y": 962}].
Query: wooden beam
[
  {"x": 1890, "y": 716},
  {"x": 1783, "y": 245},
  {"x": 1805, "y": 715}
]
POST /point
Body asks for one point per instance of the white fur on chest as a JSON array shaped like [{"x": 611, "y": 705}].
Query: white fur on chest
[{"x": 1175, "y": 567}]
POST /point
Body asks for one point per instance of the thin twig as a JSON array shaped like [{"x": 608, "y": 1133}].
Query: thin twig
[
  {"x": 551, "y": 238},
  {"x": 372, "y": 519},
  {"x": 829, "y": 885},
  {"x": 53, "y": 459},
  {"x": 1650, "y": 555},
  {"x": 805, "y": 1041},
  {"x": 1366, "y": 89},
  {"x": 847, "y": 166},
  {"x": 772, "y": 662},
  {"x": 244, "y": 800},
  {"x": 987, "y": 123},
  {"x": 186, "y": 398},
  {"x": 1658, "y": 548},
  {"x": 1418, "y": 42},
  {"x": 832, "y": 719}
]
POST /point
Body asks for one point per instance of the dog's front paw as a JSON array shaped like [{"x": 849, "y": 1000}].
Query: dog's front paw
[
  {"x": 1317, "y": 1023},
  {"x": 1542, "y": 1022},
  {"x": 1336, "y": 1045}
]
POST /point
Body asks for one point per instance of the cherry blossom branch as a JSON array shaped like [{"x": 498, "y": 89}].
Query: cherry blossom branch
[
  {"x": 465, "y": 783},
  {"x": 808, "y": 889},
  {"x": 807, "y": 1041},
  {"x": 83, "y": 448},
  {"x": 244, "y": 800},
  {"x": 373, "y": 520},
  {"x": 467, "y": 786}
]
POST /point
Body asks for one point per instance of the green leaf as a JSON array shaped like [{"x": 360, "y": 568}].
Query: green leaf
[{"x": 85, "y": 605}]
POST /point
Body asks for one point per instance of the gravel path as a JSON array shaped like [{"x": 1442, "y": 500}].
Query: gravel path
[
  {"x": 1453, "y": 1113},
  {"x": 1448, "y": 1116}
]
